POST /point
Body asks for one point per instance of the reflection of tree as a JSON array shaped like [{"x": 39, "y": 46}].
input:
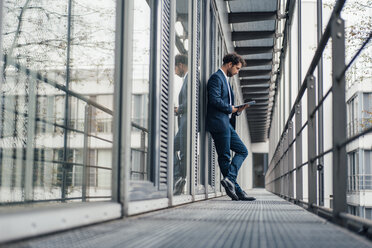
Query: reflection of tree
[
  {"x": 367, "y": 120},
  {"x": 36, "y": 36},
  {"x": 35, "y": 33},
  {"x": 358, "y": 26}
]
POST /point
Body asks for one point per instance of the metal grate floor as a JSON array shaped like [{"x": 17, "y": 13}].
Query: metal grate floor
[{"x": 268, "y": 222}]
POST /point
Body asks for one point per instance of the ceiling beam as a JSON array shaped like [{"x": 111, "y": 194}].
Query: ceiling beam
[
  {"x": 254, "y": 81},
  {"x": 261, "y": 104},
  {"x": 254, "y": 92},
  {"x": 250, "y": 86},
  {"x": 257, "y": 62},
  {"x": 250, "y": 73},
  {"x": 251, "y": 16},
  {"x": 252, "y": 35},
  {"x": 253, "y": 50}
]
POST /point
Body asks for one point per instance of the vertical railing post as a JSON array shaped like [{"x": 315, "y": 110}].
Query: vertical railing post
[
  {"x": 286, "y": 166},
  {"x": 290, "y": 159},
  {"x": 276, "y": 174},
  {"x": 281, "y": 167},
  {"x": 298, "y": 152},
  {"x": 338, "y": 117},
  {"x": 285, "y": 163},
  {"x": 30, "y": 148},
  {"x": 86, "y": 162},
  {"x": 311, "y": 139},
  {"x": 143, "y": 155}
]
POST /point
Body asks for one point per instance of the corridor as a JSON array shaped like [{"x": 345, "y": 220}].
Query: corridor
[{"x": 268, "y": 222}]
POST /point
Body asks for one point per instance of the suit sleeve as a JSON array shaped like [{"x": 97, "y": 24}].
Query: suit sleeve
[
  {"x": 182, "y": 108},
  {"x": 215, "y": 95}
]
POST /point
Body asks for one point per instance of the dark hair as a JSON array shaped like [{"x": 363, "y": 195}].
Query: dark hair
[
  {"x": 180, "y": 58},
  {"x": 234, "y": 58}
]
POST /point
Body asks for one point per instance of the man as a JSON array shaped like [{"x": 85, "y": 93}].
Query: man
[
  {"x": 220, "y": 110},
  {"x": 181, "y": 69}
]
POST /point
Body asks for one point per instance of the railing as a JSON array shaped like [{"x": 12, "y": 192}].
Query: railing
[
  {"x": 139, "y": 169},
  {"x": 281, "y": 172}
]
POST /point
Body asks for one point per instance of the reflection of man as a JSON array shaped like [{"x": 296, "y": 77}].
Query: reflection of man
[
  {"x": 220, "y": 110},
  {"x": 181, "y": 70}
]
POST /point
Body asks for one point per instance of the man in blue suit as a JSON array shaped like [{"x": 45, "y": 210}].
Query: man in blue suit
[
  {"x": 180, "y": 140},
  {"x": 220, "y": 110}
]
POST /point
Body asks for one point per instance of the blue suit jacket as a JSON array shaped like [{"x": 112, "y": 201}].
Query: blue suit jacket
[
  {"x": 218, "y": 107},
  {"x": 182, "y": 109}
]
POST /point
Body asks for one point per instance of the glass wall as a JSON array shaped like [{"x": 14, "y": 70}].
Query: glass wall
[
  {"x": 56, "y": 100},
  {"x": 140, "y": 169},
  {"x": 181, "y": 98}
]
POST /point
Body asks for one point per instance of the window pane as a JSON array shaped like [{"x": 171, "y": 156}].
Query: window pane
[
  {"x": 140, "y": 91},
  {"x": 181, "y": 97},
  {"x": 56, "y": 100}
]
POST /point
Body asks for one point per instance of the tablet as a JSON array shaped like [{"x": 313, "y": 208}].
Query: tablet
[{"x": 246, "y": 103}]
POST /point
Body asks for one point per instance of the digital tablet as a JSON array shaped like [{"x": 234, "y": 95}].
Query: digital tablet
[{"x": 246, "y": 103}]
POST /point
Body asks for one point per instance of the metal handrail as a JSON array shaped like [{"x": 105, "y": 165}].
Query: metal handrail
[
  {"x": 338, "y": 213},
  {"x": 318, "y": 54}
]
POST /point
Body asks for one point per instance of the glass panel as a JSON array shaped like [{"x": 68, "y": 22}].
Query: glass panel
[
  {"x": 181, "y": 96},
  {"x": 368, "y": 214},
  {"x": 56, "y": 101},
  {"x": 140, "y": 91}
]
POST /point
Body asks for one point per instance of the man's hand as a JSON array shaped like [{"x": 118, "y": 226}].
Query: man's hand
[
  {"x": 176, "y": 110},
  {"x": 239, "y": 109}
]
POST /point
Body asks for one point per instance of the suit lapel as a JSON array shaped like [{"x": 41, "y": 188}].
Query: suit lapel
[
  {"x": 225, "y": 83},
  {"x": 232, "y": 94}
]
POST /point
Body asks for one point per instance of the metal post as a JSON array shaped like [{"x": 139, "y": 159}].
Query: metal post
[
  {"x": 281, "y": 167},
  {"x": 1, "y": 43},
  {"x": 338, "y": 117},
  {"x": 311, "y": 139},
  {"x": 87, "y": 128},
  {"x": 31, "y": 125},
  {"x": 286, "y": 165},
  {"x": 298, "y": 152},
  {"x": 192, "y": 104},
  {"x": 171, "y": 116},
  {"x": 66, "y": 167},
  {"x": 299, "y": 40},
  {"x": 320, "y": 111},
  {"x": 290, "y": 159},
  {"x": 142, "y": 156},
  {"x": 190, "y": 79},
  {"x": 205, "y": 66},
  {"x": 123, "y": 104}
]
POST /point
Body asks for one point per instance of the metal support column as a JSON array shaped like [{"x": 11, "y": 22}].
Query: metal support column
[
  {"x": 205, "y": 65},
  {"x": 311, "y": 139},
  {"x": 338, "y": 117},
  {"x": 66, "y": 167},
  {"x": 298, "y": 152},
  {"x": 171, "y": 96},
  {"x": 320, "y": 111},
  {"x": 290, "y": 159}
]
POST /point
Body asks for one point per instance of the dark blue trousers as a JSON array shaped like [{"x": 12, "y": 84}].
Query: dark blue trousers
[
  {"x": 179, "y": 164},
  {"x": 224, "y": 142}
]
